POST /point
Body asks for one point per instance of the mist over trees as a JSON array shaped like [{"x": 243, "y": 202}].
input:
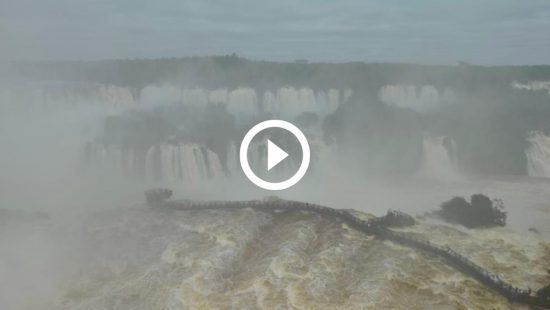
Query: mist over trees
[{"x": 233, "y": 71}]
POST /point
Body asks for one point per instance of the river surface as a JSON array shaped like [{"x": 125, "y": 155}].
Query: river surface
[{"x": 131, "y": 257}]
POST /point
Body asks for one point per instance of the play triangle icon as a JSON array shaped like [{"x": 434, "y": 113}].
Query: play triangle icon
[{"x": 274, "y": 155}]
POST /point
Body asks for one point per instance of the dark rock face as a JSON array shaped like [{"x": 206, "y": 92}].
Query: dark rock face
[
  {"x": 481, "y": 211},
  {"x": 157, "y": 196}
]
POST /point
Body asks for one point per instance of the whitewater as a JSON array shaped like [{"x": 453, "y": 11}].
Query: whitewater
[{"x": 102, "y": 247}]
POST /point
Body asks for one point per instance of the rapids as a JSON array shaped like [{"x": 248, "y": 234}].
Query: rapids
[
  {"x": 136, "y": 258},
  {"x": 102, "y": 250}
]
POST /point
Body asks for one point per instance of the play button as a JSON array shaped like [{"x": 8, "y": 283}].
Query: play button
[{"x": 275, "y": 155}]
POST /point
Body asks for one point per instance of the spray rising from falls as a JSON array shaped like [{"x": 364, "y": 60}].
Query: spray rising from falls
[
  {"x": 438, "y": 158},
  {"x": 257, "y": 158},
  {"x": 288, "y": 101},
  {"x": 168, "y": 163},
  {"x": 247, "y": 102},
  {"x": 533, "y": 85},
  {"x": 53, "y": 95},
  {"x": 165, "y": 163},
  {"x": 538, "y": 155},
  {"x": 187, "y": 163},
  {"x": 242, "y": 101},
  {"x": 179, "y": 160},
  {"x": 109, "y": 159},
  {"x": 417, "y": 98}
]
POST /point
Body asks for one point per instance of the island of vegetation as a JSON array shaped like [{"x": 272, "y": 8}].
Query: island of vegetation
[{"x": 479, "y": 212}]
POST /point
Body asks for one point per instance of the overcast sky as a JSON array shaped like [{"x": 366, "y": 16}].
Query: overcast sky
[{"x": 429, "y": 32}]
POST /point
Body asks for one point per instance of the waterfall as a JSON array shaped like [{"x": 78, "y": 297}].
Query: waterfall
[
  {"x": 187, "y": 163},
  {"x": 257, "y": 158},
  {"x": 215, "y": 168},
  {"x": 197, "y": 96},
  {"x": 333, "y": 100},
  {"x": 110, "y": 159},
  {"x": 417, "y": 98},
  {"x": 153, "y": 163},
  {"x": 348, "y": 93},
  {"x": 533, "y": 85},
  {"x": 538, "y": 155},
  {"x": 438, "y": 158},
  {"x": 218, "y": 96},
  {"x": 243, "y": 102},
  {"x": 56, "y": 95},
  {"x": 232, "y": 162},
  {"x": 240, "y": 101},
  {"x": 169, "y": 163},
  {"x": 165, "y": 94},
  {"x": 290, "y": 102}
]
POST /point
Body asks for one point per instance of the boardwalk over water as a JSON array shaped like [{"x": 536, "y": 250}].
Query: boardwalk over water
[{"x": 158, "y": 199}]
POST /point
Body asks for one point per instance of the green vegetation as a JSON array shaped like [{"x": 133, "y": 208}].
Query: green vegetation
[
  {"x": 233, "y": 71},
  {"x": 479, "y": 212},
  {"x": 544, "y": 292}
]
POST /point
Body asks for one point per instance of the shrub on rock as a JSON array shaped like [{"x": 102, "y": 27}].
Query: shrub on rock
[
  {"x": 481, "y": 211},
  {"x": 544, "y": 292}
]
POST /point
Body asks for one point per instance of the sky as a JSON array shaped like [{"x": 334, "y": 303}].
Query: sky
[{"x": 495, "y": 32}]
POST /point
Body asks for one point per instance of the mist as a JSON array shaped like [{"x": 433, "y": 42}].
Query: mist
[{"x": 81, "y": 141}]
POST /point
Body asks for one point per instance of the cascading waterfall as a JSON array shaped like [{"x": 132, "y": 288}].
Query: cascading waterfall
[
  {"x": 218, "y": 96},
  {"x": 348, "y": 93},
  {"x": 533, "y": 85},
  {"x": 110, "y": 159},
  {"x": 198, "y": 97},
  {"x": 53, "y": 95},
  {"x": 245, "y": 102},
  {"x": 187, "y": 163},
  {"x": 177, "y": 162},
  {"x": 289, "y": 101},
  {"x": 232, "y": 160},
  {"x": 257, "y": 153},
  {"x": 164, "y": 94},
  {"x": 417, "y": 98},
  {"x": 257, "y": 158},
  {"x": 438, "y": 158},
  {"x": 173, "y": 163},
  {"x": 538, "y": 155},
  {"x": 168, "y": 163}
]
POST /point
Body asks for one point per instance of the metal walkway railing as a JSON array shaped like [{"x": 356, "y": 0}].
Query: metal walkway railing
[{"x": 158, "y": 199}]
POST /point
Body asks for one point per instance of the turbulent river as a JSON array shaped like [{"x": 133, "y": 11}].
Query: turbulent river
[
  {"x": 133, "y": 257},
  {"x": 103, "y": 248}
]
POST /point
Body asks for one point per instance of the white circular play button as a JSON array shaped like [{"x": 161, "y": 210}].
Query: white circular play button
[{"x": 275, "y": 155}]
